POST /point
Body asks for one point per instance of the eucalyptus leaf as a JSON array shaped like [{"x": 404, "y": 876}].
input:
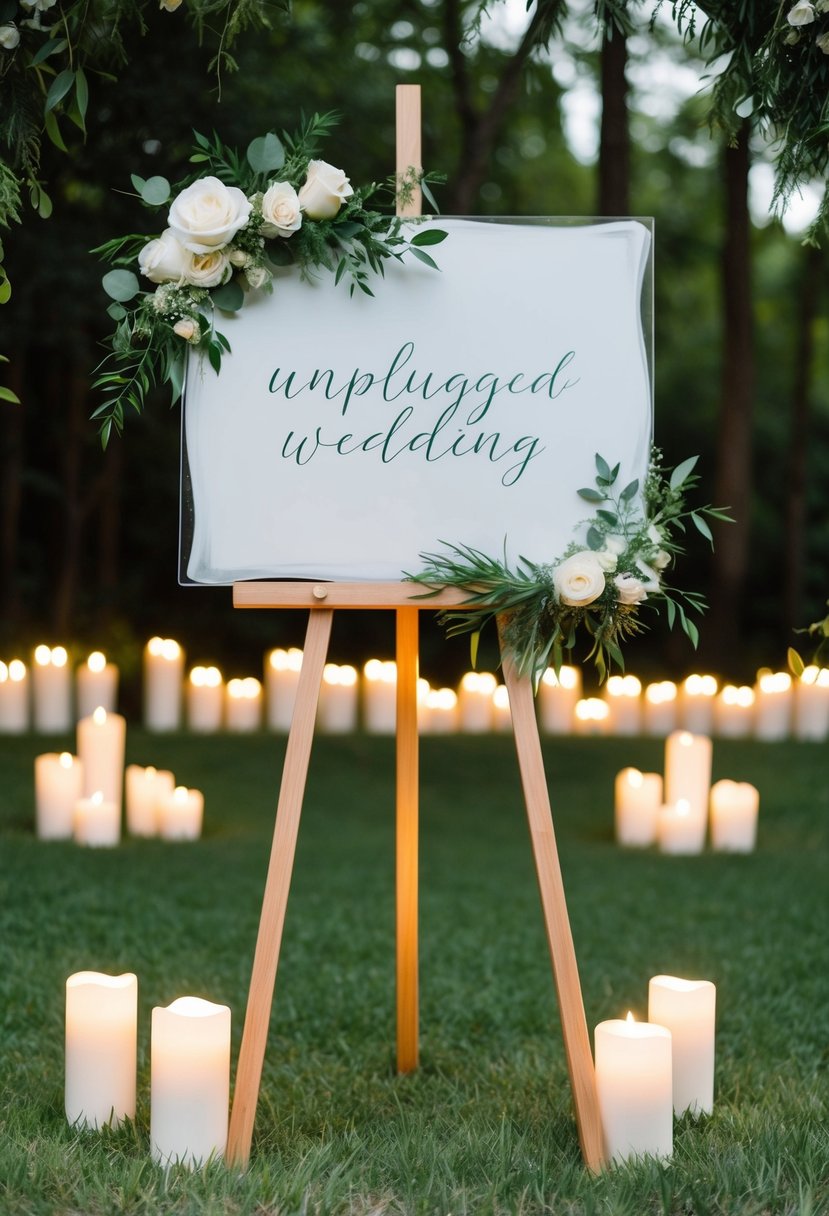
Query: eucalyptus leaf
[
  {"x": 120, "y": 285},
  {"x": 51, "y": 47},
  {"x": 53, "y": 131},
  {"x": 681, "y": 472},
  {"x": 81, "y": 93},
  {"x": 701, "y": 526},
  {"x": 229, "y": 298},
  {"x": 138, "y": 182},
  {"x": 423, "y": 257},
  {"x": 796, "y": 664},
  {"x": 630, "y": 490},
  {"x": 265, "y": 153},
  {"x": 155, "y": 191},
  {"x": 590, "y": 495},
  {"x": 58, "y": 89},
  {"x": 432, "y": 236},
  {"x": 7, "y": 395},
  {"x": 595, "y": 540},
  {"x": 608, "y": 517},
  {"x": 116, "y": 311},
  {"x": 603, "y": 469}
]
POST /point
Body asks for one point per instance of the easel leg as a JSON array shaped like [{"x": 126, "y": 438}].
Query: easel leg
[
  {"x": 557, "y": 922},
  {"x": 407, "y": 839},
  {"x": 269, "y": 940}
]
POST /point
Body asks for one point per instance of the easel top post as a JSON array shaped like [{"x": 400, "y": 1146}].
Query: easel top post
[{"x": 409, "y": 155}]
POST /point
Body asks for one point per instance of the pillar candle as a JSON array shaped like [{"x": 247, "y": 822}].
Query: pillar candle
[
  {"x": 679, "y": 829},
  {"x": 734, "y": 808},
  {"x": 688, "y": 773},
  {"x": 282, "y": 668},
  {"x": 624, "y": 700},
  {"x": 696, "y": 704},
  {"x": 101, "y": 1034},
  {"x": 638, "y": 798},
  {"x": 811, "y": 704},
  {"x": 180, "y": 814},
  {"x": 440, "y": 715},
  {"x": 205, "y": 700},
  {"x": 190, "y": 1081},
  {"x": 475, "y": 712},
  {"x": 163, "y": 676},
  {"x": 145, "y": 788},
  {"x": 423, "y": 690},
  {"x": 557, "y": 697},
  {"x": 96, "y": 684},
  {"x": 773, "y": 705},
  {"x": 634, "y": 1088},
  {"x": 58, "y": 786},
  {"x": 14, "y": 698},
  {"x": 591, "y": 716},
  {"x": 734, "y": 712},
  {"x": 337, "y": 706},
  {"x": 659, "y": 710},
  {"x": 101, "y": 742},
  {"x": 52, "y": 690},
  {"x": 380, "y": 696},
  {"x": 243, "y": 705},
  {"x": 96, "y": 822},
  {"x": 501, "y": 715},
  {"x": 687, "y": 1009}
]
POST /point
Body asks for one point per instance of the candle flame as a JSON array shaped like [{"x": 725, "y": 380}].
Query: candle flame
[
  {"x": 59, "y": 656},
  {"x": 43, "y": 656},
  {"x": 66, "y": 760},
  {"x": 685, "y": 739},
  {"x": 17, "y": 670},
  {"x": 180, "y": 793},
  {"x": 97, "y": 798},
  {"x": 630, "y": 1018},
  {"x": 99, "y": 717},
  {"x": 97, "y": 661},
  {"x": 683, "y": 807}
]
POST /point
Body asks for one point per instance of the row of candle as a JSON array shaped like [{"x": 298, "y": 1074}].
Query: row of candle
[
  {"x": 774, "y": 708},
  {"x": 675, "y": 813},
  {"x": 189, "y": 1066}
]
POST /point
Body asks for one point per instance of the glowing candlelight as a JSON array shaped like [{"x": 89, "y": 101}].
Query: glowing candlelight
[
  {"x": 475, "y": 711},
  {"x": 660, "y": 709},
  {"x": 638, "y": 798},
  {"x": 145, "y": 789},
  {"x": 380, "y": 696},
  {"x": 205, "y": 700},
  {"x": 624, "y": 700},
  {"x": 163, "y": 675},
  {"x": 243, "y": 705},
  {"x": 592, "y": 716},
  {"x": 97, "y": 684},
  {"x": 688, "y": 774},
  {"x": 282, "y": 669},
  {"x": 440, "y": 713},
  {"x": 180, "y": 814},
  {"x": 678, "y": 829},
  {"x": 337, "y": 709},
  {"x": 58, "y": 786},
  {"x": 734, "y": 711},
  {"x": 687, "y": 1008},
  {"x": 502, "y": 717},
  {"x": 52, "y": 689},
  {"x": 634, "y": 1088},
  {"x": 734, "y": 811},
  {"x": 557, "y": 697},
  {"x": 101, "y": 742},
  {"x": 101, "y": 1024},
  {"x": 14, "y": 698},
  {"x": 773, "y": 705},
  {"x": 697, "y": 704},
  {"x": 96, "y": 822},
  {"x": 811, "y": 704}
]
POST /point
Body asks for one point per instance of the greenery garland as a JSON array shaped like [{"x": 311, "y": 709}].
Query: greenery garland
[
  {"x": 599, "y": 589},
  {"x": 230, "y": 226}
]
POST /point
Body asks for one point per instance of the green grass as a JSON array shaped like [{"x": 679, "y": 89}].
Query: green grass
[{"x": 486, "y": 1124}]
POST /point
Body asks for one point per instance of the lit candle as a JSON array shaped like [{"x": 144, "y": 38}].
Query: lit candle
[
  {"x": 440, "y": 715},
  {"x": 633, "y": 1084},
  {"x": 163, "y": 676},
  {"x": 205, "y": 700},
  {"x": 557, "y": 697},
  {"x": 734, "y": 810},
  {"x": 101, "y": 742},
  {"x": 337, "y": 709},
  {"x": 145, "y": 789},
  {"x": 678, "y": 829},
  {"x": 687, "y": 1008},
  {"x": 697, "y": 704},
  {"x": 811, "y": 704},
  {"x": 659, "y": 710},
  {"x": 96, "y": 822},
  {"x": 52, "y": 690},
  {"x": 734, "y": 712},
  {"x": 502, "y": 717},
  {"x": 96, "y": 684},
  {"x": 688, "y": 773},
  {"x": 190, "y": 1081},
  {"x": 475, "y": 713},
  {"x": 380, "y": 696},
  {"x": 14, "y": 698},
  {"x": 592, "y": 716},
  {"x": 58, "y": 786},
  {"x": 180, "y": 814},
  {"x": 282, "y": 669},
  {"x": 101, "y": 1042},
  {"x": 624, "y": 701},
  {"x": 638, "y": 798},
  {"x": 773, "y": 705},
  {"x": 243, "y": 705},
  {"x": 423, "y": 690}
]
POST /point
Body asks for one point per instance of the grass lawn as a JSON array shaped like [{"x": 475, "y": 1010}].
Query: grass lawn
[{"x": 486, "y": 1125}]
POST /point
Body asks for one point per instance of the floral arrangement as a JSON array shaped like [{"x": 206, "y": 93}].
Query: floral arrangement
[
  {"x": 229, "y": 228},
  {"x": 598, "y": 587}
]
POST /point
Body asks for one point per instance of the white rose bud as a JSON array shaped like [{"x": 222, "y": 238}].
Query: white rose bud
[
  {"x": 208, "y": 269},
  {"x": 9, "y": 37},
  {"x": 792, "y": 38},
  {"x": 662, "y": 559},
  {"x": 325, "y": 191},
  {"x": 823, "y": 42},
  {"x": 188, "y": 329},
  {"x": 631, "y": 590},
  {"x": 207, "y": 215},
  {"x": 164, "y": 260},
  {"x": 169, "y": 5},
  {"x": 579, "y": 579},
  {"x": 803, "y": 13},
  {"x": 257, "y": 276},
  {"x": 607, "y": 560},
  {"x": 280, "y": 210},
  {"x": 238, "y": 257}
]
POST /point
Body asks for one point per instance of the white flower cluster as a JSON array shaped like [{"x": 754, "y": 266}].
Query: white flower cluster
[
  {"x": 199, "y": 247},
  {"x": 582, "y": 577},
  {"x": 804, "y": 12}
]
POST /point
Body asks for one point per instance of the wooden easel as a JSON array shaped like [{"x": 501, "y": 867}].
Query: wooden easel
[{"x": 322, "y": 599}]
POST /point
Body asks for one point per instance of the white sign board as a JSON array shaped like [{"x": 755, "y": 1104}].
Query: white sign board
[{"x": 346, "y": 436}]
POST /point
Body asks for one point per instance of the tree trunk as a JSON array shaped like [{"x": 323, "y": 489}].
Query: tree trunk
[
  {"x": 614, "y": 141},
  {"x": 722, "y": 631},
  {"x": 795, "y": 508}
]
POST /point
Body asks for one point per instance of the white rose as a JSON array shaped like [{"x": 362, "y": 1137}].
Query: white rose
[
  {"x": 822, "y": 6},
  {"x": 208, "y": 269},
  {"x": 208, "y": 214},
  {"x": 280, "y": 210},
  {"x": 651, "y": 578},
  {"x": 631, "y": 590},
  {"x": 662, "y": 559},
  {"x": 164, "y": 260},
  {"x": 257, "y": 276},
  {"x": 38, "y": 6},
  {"x": 579, "y": 579},
  {"x": 823, "y": 42},
  {"x": 188, "y": 329},
  {"x": 9, "y": 36},
  {"x": 803, "y": 13},
  {"x": 324, "y": 192},
  {"x": 169, "y": 5}
]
